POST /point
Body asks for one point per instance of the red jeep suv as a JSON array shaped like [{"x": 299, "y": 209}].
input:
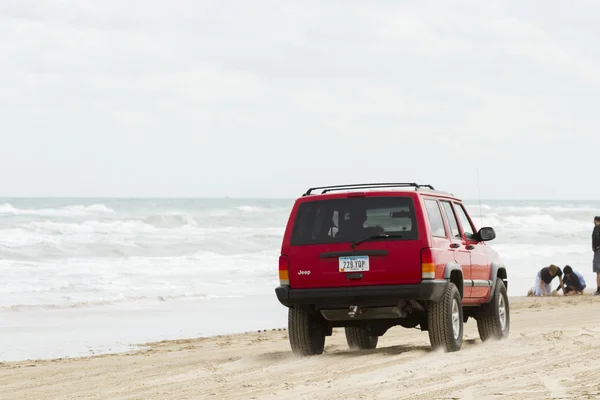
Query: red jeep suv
[{"x": 367, "y": 257}]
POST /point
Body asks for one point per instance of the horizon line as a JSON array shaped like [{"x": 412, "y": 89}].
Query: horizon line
[{"x": 260, "y": 198}]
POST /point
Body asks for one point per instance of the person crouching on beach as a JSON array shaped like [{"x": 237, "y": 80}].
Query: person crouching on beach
[
  {"x": 574, "y": 282},
  {"x": 544, "y": 279}
]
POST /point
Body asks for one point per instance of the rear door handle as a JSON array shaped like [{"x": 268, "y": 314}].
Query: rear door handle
[
  {"x": 470, "y": 247},
  {"x": 454, "y": 245}
]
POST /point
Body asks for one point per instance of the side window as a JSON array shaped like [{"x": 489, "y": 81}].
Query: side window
[
  {"x": 464, "y": 221},
  {"x": 451, "y": 219},
  {"x": 436, "y": 221}
]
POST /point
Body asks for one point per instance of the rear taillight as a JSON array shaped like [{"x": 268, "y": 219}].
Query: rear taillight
[
  {"x": 427, "y": 264},
  {"x": 284, "y": 271}
]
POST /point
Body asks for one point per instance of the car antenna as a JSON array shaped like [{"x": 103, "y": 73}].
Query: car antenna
[{"x": 479, "y": 196}]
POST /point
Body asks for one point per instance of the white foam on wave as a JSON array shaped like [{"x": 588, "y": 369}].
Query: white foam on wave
[
  {"x": 168, "y": 231},
  {"x": 170, "y": 220},
  {"x": 94, "y": 208},
  {"x": 252, "y": 209},
  {"x": 59, "y": 233},
  {"x": 67, "y": 304},
  {"x": 534, "y": 222},
  {"x": 67, "y": 211},
  {"x": 218, "y": 213},
  {"x": 88, "y": 226},
  {"x": 529, "y": 251},
  {"x": 96, "y": 282},
  {"x": 247, "y": 209},
  {"x": 538, "y": 209}
]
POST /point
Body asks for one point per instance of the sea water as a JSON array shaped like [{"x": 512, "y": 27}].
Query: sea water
[{"x": 85, "y": 274}]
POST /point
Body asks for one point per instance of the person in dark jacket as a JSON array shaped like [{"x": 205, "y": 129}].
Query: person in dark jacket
[
  {"x": 574, "y": 282},
  {"x": 596, "y": 249},
  {"x": 544, "y": 279}
]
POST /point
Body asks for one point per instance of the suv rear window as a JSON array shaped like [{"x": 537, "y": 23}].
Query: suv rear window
[{"x": 349, "y": 219}]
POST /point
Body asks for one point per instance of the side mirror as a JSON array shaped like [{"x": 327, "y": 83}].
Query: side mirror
[{"x": 486, "y": 234}]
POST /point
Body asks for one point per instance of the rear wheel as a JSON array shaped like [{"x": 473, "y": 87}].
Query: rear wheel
[
  {"x": 494, "y": 321},
  {"x": 360, "y": 338},
  {"x": 445, "y": 321},
  {"x": 306, "y": 331}
]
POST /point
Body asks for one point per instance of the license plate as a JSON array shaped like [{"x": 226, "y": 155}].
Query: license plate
[{"x": 354, "y": 263}]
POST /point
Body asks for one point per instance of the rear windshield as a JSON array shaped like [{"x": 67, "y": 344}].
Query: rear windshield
[{"x": 349, "y": 219}]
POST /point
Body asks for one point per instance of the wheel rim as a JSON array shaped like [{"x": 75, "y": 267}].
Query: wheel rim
[
  {"x": 502, "y": 312},
  {"x": 455, "y": 319}
]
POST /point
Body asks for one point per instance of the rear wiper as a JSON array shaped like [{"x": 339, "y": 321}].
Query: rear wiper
[{"x": 379, "y": 235}]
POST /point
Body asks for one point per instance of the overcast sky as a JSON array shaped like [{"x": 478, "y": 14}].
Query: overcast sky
[{"x": 265, "y": 98}]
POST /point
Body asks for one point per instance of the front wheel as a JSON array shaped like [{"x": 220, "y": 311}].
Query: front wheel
[
  {"x": 445, "y": 320},
  {"x": 306, "y": 331},
  {"x": 494, "y": 321}
]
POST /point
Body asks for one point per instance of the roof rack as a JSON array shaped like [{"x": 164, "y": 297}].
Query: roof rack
[{"x": 366, "y": 186}]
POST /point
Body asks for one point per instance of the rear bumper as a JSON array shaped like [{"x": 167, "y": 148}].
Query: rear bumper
[{"x": 366, "y": 295}]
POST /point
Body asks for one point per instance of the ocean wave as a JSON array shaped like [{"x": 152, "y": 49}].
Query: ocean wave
[
  {"x": 67, "y": 211},
  {"x": 169, "y": 225},
  {"x": 495, "y": 219},
  {"x": 530, "y": 251},
  {"x": 59, "y": 256},
  {"x": 90, "y": 256},
  {"x": 236, "y": 211},
  {"x": 253, "y": 209},
  {"x": 537, "y": 209},
  {"x": 219, "y": 213},
  {"x": 67, "y": 242},
  {"x": 82, "y": 229},
  {"x": 535, "y": 222},
  {"x": 169, "y": 220},
  {"x": 108, "y": 303}
]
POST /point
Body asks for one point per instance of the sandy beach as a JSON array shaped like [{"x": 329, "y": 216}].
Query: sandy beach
[{"x": 552, "y": 352}]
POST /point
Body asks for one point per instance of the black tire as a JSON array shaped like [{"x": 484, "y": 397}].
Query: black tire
[
  {"x": 360, "y": 339},
  {"x": 306, "y": 331},
  {"x": 440, "y": 318},
  {"x": 494, "y": 321}
]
